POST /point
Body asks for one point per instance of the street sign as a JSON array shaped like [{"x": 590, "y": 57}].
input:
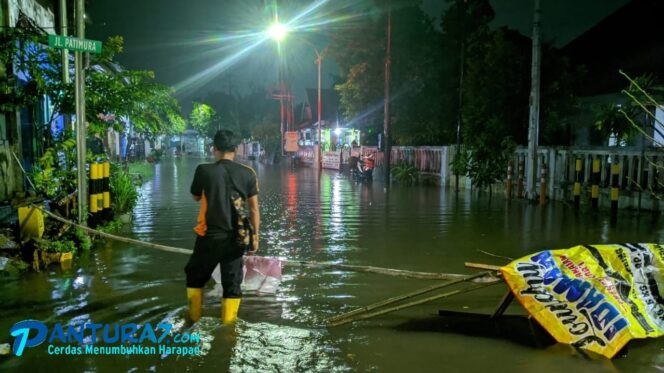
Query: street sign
[
  {"x": 332, "y": 160},
  {"x": 291, "y": 141},
  {"x": 75, "y": 44}
]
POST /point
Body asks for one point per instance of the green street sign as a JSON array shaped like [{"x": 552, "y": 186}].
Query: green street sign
[{"x": 75, "y": 44}]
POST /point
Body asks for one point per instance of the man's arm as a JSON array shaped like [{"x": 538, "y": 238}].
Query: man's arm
[
  {"x": 196, "y": 188},
  {"x": 255, "y": 219}
]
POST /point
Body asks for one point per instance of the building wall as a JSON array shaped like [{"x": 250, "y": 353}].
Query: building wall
[
  {"x": 37, "y": 13},
  {"x": 11, "y": 176}
]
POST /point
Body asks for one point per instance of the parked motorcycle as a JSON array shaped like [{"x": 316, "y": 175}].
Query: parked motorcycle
[{"x": 362, "y": 168}]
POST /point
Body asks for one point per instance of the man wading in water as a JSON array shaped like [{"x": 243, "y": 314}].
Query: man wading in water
[{"x": 215, "y": 241}]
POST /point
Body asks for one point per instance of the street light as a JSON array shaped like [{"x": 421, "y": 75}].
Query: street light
[
  {"x": 319, "y": 62},
  {"x": 278, "y": 32}
]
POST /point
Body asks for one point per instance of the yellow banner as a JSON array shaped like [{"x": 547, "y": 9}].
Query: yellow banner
[{"x": 595, "y": 297}]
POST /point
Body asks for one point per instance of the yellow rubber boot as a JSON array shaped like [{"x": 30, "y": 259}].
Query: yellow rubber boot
[
  {"x": 229, "y": 308},
  {"x": 195, "y": 298}
]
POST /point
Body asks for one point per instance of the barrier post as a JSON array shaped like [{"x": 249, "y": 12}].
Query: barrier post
[
  {"x": 519, "y": 187},
  {"x": 508, "y": 189},
  {"x": 106, "y": 187},
  {"x": 595, "y": 186},
  {"x": 615, "y": 192},
  {"x": 577, "y": 184},
  {"x": 544, "y": 175},
  {"x": 94, "y": 175}
]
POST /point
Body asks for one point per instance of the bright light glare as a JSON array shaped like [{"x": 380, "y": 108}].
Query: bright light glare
[
  {"x": 277, "y": 31},
  {"x": 337, "y": 131}
]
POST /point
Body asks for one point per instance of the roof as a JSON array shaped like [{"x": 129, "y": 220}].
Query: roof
[{"x": 629, "y": 39}]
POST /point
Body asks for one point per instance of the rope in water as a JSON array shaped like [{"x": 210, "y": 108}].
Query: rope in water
[{"x": 296, "y": 263}]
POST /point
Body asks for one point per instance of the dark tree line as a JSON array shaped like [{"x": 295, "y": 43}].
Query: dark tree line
[{"x": 426, "y": 78}]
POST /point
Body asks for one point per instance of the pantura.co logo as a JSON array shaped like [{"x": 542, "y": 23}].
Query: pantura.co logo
[
  {"x": 21, "y": 330},
  {"x": 118, "y": 339}
]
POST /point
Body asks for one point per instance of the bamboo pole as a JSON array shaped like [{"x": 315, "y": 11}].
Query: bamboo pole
[
  {"x": 482, "y": 266},
  {"x": 380, "y": 270},
  {"x": 117, "y": 238},
  {"x": 403, "y": 297},
  {"x": 294, "y": 263},
  {"x": 413, "y": 303}
]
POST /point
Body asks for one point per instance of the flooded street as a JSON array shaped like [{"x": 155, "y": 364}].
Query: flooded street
[{"x": 305, "y": 217}]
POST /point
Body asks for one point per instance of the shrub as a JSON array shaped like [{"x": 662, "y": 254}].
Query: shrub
[
  {"x": 405, "y": 174},
  {"x": 58, "y": 246},
  {"x": 111, "y": 226},
  {"x": 123, "y": 192},
  {"x": 83, "y": 239}
]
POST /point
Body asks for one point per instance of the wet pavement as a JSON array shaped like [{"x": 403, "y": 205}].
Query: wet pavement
[{"x": 324, "y": 218}]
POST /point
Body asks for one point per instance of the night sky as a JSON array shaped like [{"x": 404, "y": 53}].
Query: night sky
[{"x": 180, "y": 40}]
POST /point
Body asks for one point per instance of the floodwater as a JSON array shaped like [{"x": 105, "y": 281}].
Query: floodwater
[{"x": 324, "y": 218}]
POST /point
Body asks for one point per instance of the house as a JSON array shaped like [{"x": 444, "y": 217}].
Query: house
[
  {"x": 19, "y": 137},
  {"x": 334, "y": 133},
  {"x": 630, "y": 40}
]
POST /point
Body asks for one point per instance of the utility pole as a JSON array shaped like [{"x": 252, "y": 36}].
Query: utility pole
[
  {"x": 386, "y": 114},
  {"x": 459, "y": 115},
  {"x": 281, "y": 113},
  {"x": 65, "y": 53},
  {"x": 319, "y": 153},
  {"x": 80, "y": 116},
  {"x": 462, "y": 61},
  {"x": 533, "y": 129}
]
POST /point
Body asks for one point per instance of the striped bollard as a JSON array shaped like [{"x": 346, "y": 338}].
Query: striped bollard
[
  {"x": 508, "y": 189},
  {"x": 615, "y": 192},
  {"x": 519, "y": 186},
  {"x": 577, "y": 184},
  {"x": 594, "y": 192},
  {"x": 542, "y": 196},
  {"x": 100, "y": 191},
  {"x": 92, "y": 190},
  {"x": 106, "y": 190}
]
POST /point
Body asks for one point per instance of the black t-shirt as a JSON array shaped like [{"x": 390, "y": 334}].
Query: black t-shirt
[{"x": 210, "y": 183}]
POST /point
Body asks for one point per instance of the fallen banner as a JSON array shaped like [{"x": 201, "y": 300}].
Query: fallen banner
[{"x": 595, "y": 297}]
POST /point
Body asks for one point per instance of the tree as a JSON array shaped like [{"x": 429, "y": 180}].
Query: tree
[
  {"x": 254, "y": 109},
  {"x": 620, "y": 120},
  {"x": 112, "y": 93},
  {"x": 416, "y": 111},
  {"x": 226, "y": 107},
  {"x": 496, "y": 90},
  {"x": 113, "y": 96},
  {"x": 202, "y": 117},
  {"x": 15, "y": 55},
  {"x": 359, "y": 52},
  {"x": 268, "y": 135}
]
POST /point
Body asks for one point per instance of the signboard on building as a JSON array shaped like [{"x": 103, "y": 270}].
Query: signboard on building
[
  {"x": 291, "y": 138},
  {"x": 332, "y": 160}
]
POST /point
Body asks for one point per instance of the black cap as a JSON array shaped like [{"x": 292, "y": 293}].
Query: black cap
[{"x": 225, "y": 141}]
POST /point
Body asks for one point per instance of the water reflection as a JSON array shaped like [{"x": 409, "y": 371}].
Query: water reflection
[
  {"x": 267, "y": 347},
  {"x": 315, "y": 216},
  {"x": 340, "y": 222}
]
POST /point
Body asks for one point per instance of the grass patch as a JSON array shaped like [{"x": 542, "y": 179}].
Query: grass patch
[{"x": 144, "y": 169}]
